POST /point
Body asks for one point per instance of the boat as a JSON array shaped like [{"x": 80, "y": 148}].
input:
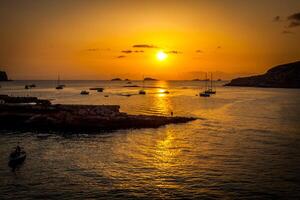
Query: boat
[
  {"x": 98, "y": 89},
  {"x": 142, "y": 91},
  {"x": 84, "y": 92},
  {"x": 16, "y": 158},
  {"x": 205, "y": 93},
  {"x": 210, "y": 90},
  {"x": 59, "y": 86},
  {"x": 29, "y": 86}
]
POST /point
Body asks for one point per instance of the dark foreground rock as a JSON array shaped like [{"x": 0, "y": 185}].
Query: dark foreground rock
[
  {"x": 3, "y": 76},
  {"x": 77, "y": 118},
  {"x": 282, "y": 76}
]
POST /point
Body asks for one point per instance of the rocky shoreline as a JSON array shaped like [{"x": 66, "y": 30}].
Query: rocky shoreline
[
  {"x": 74, "y": 118},
  {"x": 282, "y": 76}
]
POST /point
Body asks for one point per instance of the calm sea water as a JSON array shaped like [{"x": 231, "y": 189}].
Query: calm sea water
[{"x": 245, "y": 145}]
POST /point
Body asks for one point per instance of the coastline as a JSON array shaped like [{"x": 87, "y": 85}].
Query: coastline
[{"x": 89, "y": 118}]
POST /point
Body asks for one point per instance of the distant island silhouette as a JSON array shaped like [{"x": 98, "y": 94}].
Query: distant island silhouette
[
  {"x": 281, "y": 76},
  {"x": 116, "y": 79},
  {"x": 3, "y": 76},
  {"x": 149, "y": 79}
]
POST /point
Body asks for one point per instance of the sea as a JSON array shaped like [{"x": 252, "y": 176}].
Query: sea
[{"x": 245, "y": 144}]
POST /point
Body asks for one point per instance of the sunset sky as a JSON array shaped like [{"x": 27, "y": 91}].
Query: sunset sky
[{"x": 107, "y": 39}]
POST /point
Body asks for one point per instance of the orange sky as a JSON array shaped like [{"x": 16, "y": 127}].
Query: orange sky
[{"x": 85, "y": 39}]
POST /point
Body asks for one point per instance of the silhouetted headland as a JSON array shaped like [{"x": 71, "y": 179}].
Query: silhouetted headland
[
  {"x": 3, "y": 76},
  {"x": 17, "y": 113},
  {"x": 149, "y": 79},
  {"x": 282, "y": 76},
  {"x": 116, "y": 79}
]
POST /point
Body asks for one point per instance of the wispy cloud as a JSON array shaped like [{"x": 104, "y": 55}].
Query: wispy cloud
[
  {"x": 277, "y": 18},
  {"x": 130, "y": 51},
  {"x": 97, "y": 49},
  {"x": 126, "y": 51},
  {"x": 294, "y": 20},
  {"x": 199, "y": 51},
  {"x": 287, "y": 32},
  {"x": 93, "y": 49},
  {"x": 173, "y": 52},
  {"x": 121, "y": 56},
  {"x": 144, "y": 46}
]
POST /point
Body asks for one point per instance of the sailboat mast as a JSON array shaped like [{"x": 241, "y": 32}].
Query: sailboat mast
[
  {"x": 211, "y": 83},
  {"x": 206, "y": 81}
]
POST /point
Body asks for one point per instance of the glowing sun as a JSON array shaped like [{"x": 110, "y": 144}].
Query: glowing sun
[{"x": 161, "y": 55}]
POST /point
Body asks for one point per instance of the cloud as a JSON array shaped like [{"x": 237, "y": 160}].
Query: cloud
[
  {"x": 97, "y": 49},
  {"x": 144, "y": 46},
  {"x": 173, "y": 52},
  {"x": 219, "y": 47},
  {"x": 287, "y": 32},
  {"x": 130, "y": 51},
  {"x": 294, "y": 20},
  {"x": 277, "y": 18},
  {"x": 121, "y": 56},
  {"x": 126, "y": 51},
  {"x": 199, "y": 51},
  {"x": 93, "y": 49}
]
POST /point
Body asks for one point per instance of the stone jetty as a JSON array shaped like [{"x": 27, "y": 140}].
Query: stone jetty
[{"x": 74, "y": 118}]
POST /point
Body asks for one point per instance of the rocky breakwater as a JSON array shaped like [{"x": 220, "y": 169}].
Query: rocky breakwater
[{"x": 77, "y": 118}]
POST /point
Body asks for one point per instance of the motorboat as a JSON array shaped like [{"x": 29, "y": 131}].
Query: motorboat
[
  {"x": 84, "y": 92},
  {"x": 143, "y": 92},
  {"x": 204, "y": 94},
  {"x": 16, "y": 158}
]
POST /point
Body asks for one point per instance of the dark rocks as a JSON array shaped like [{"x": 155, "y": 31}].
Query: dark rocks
[
  {"x": 282, "y": 76},
  {"x": 3, "y": 76},
  {"x": 77, "y": 118},
  {"x": 21, "y": 100}
]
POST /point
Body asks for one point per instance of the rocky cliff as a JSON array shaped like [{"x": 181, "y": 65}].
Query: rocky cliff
[
  {"x": 282, "y": 76},
  {"x": 3, "y": 76}
]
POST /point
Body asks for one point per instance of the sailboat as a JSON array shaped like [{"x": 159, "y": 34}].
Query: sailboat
[
  {"x": 59, "y": 86},
  {"x": 204, "y": 93},
  {"x": 210, "y": 90},
  {"x": 142, "y": 91}
]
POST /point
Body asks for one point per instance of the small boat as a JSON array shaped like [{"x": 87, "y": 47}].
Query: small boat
[
  {"x": 59, "y": 86},
  {"x": 143, "y": 92},
  {"x": 106, "y": 96},
  {"x": 27, "y": 87},
  {"x": 204, "y": 94},
  {"x": 98, "y": 89},
  {"x": 16, "y": 158},
  {"x": 84, "y": 92},
  {"x": 210, "y": 90}
]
